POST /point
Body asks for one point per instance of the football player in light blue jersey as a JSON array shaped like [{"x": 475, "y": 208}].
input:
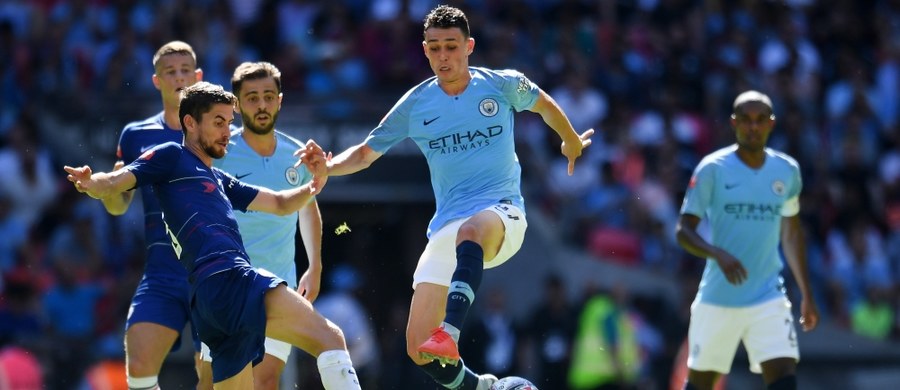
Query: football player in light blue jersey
[
  {"x": 749, "y": 194},
  {"x": 462, "y": 120},
  {"x": 260, "y": 155}
]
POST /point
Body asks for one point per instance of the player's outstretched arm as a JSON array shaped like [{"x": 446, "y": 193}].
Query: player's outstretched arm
[
  {"x": 285, "y": 202},
  {"x": 687, "y": 236},
  {"x": 100, "y": 185},
  {"x": 793, "y": 245},
  {"x": 572, "y": 142},
  {"x": 352, "y": 160},
  {"x": 117, "y": 204}
]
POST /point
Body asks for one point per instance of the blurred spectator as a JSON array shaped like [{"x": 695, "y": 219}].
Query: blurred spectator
[
  {"x": 340, "y": 305},
  {"x": 109, "y": 371},
  {"x": 873, "y": 316},
  {"x": 29, "y": 182},
  {"x": 549, "y": 332},
  {"x": 75, "y": 244},
  {"x": 20, "y": 369},
  {"x": 492, "y": 341},
  {"x": 606, "y": 350},
  {"x": 20, "y": 320},
  {"x": 13, "y": 232},
  {"x": 71, "y": 324},
  {"x": 858, "y": 262}
]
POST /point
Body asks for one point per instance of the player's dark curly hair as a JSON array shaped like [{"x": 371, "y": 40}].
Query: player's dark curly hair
[
  {"x": 198, "y": 99},
  {"x": 445, "y": 16},
  {"x": 254, "y": 71}
]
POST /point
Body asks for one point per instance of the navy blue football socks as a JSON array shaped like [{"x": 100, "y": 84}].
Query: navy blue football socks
[
  {"x": 456, "y": 377},
  {"x": 464, "y": 283},
  {"x": 787, "y": 382}
]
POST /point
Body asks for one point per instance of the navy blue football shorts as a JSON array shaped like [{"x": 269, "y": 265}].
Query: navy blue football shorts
[
  {"x": 164, "y": 301},
  {"x": 230, "y": 315}
]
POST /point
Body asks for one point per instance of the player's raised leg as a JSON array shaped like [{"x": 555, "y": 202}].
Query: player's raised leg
[
  {"x": 291, "y": 318},
  {"x": 478, "y": 240}
]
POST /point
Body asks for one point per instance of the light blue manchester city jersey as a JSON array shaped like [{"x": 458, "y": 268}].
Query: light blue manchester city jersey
[
  {"x": 268, "y": 238},
  {"x": 743, "y": 207},
  {"x": 466, "y": 139}
]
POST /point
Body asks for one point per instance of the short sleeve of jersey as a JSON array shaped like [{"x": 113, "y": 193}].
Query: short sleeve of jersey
[
  {"x": 518, "y": 89},
  {"x": 120, "y": 154},
  {"x": 394, "y": 127},
  {"x": 156, "y": 164},
  {"x": 239, "y": 193},
  {"x": 699, "y": 191},
  {"x": 792, "y": 204}
]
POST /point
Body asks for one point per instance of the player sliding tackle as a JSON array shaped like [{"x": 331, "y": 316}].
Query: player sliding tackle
[{"x": 234, "y": 306}]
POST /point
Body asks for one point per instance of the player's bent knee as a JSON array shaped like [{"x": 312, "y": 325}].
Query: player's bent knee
[
  {"x": 336, "y": 339},
  {"x": 140, "y": 365},
  {"x": 467, "y": 232}
]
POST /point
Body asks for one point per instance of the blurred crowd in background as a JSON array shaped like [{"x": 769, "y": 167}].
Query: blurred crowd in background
[{"x": 656, "y": 78}]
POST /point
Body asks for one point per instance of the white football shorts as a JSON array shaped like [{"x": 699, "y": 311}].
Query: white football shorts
[
  {"x": 766, "y": 329},
  {"x": 277, "y": 348},
  {"x": 438, "y": 261}
]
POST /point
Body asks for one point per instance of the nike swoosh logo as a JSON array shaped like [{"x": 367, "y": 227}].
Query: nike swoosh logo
[
  {"x": 200, "y": 169},
  {"x": 730, "y": 186},
  {"x": 427, "y": 122},
  {"x": 239, "y": 177},
  {"x": 146, "y": 148}
]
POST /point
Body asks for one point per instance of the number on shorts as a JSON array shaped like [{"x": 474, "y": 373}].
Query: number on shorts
[
  {"x": 792, "y": 333},
  {"x": 505, "y": 209}
]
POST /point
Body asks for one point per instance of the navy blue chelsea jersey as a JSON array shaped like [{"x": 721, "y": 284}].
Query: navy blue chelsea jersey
[
  {"x": 137, "y": 138},
  {"x": 198, "y": 204}
]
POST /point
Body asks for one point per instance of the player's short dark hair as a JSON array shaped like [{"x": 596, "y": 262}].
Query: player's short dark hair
[
  {"x": 445, "y": 16},
  {"x": 254, "y": 71},
  {"x": 198, "y": 99},
  {"x": 174, "y": 47}
]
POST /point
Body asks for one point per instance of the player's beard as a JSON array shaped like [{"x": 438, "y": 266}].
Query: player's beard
[
  {"x": 260, "y": 130},
  {"x": 212, "y": 149}
]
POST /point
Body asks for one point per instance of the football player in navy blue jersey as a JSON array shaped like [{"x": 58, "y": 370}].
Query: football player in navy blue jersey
[
  {"x": 233, "y": 305},
  {"x": 160, "y": 307}
]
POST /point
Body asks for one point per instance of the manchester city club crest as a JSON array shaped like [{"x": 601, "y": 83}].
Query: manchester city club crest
[
  {"x": 292, "y": 176},
  {"x": 778, "y": 187},
  {"x": 488, "y": 107}
]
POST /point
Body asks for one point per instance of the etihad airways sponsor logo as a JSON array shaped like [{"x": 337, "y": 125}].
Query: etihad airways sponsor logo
[
  {"x": 753, "y": 211},
  {"x": 463, "y": 141}
]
